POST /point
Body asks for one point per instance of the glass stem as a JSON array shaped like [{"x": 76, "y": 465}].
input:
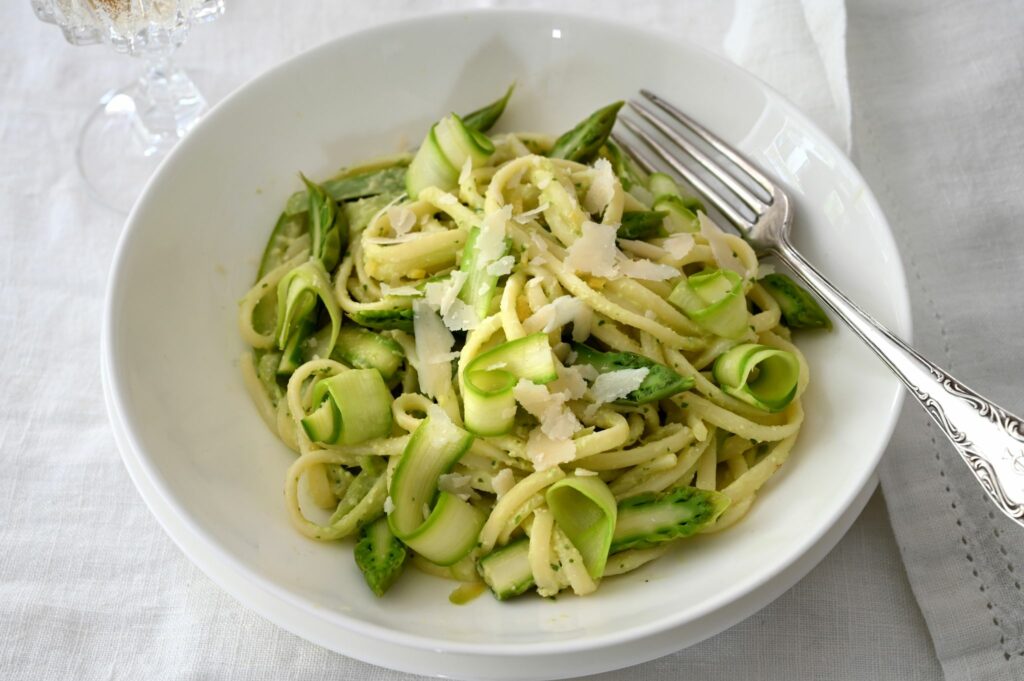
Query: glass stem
[{"x": 167, "y": 103}]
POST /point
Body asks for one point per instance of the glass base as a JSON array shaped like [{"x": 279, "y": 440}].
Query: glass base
[{"x": 129, "y": 133}]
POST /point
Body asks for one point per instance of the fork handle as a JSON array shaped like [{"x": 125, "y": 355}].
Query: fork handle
[{"x": 989, "y": 438}]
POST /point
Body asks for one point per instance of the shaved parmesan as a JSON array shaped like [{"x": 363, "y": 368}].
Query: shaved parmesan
[
  {"x": 645, "y": 269},
  {"x": 442, "y": 294},
  {"x": 393, "y": 202},
  {"x": 389, "y": 505},
  {"x": 490, "y": 244},
  {"x": 614, "y": 385},
  {"x": 434, "y": 343},
  {"x": 535, "y": 398},
  {"x": 595, "y": 251},
  {"x": 523, "y": 218},
  {"x": 556, "y": 421},
  {"x": 584, "y": 473},
  {"x": 407, "y": 291},
  {"x": 546, "y": 452},
  {"x": 466, "y": 172},
  {"x": 679, "y": 245},
  {"x": 719, "y": 243},
  {"x": 402, "y": 219},
  {"x": 501, "y": 266},
  {"x": 444, "y": 297},
  {"x": 460, "y": 316},
  {"x": 561, "y": 426},
  {"x": 554, "y": 315},
  {"x": 764, "y": 269},
  {"x": 588, "y": 372},
  {"x": 503, "y": 482},
  {"x": 602, "y": 188},
  {"x": 570, "y": 382}
]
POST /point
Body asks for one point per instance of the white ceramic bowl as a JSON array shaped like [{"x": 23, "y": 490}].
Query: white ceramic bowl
[{"x": 213, "y": 474}]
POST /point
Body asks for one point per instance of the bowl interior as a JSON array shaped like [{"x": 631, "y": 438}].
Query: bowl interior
[{"x": 192, "y": 246}]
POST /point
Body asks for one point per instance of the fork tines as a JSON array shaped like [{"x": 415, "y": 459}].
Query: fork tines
[{"x": 756, "y": 197}]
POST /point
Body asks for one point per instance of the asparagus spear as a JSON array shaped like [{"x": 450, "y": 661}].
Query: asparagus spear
[
  {"x": 326, "y": 225},
  {"x": 483, "y": 119},
  {"x": 660, "y": 382},
  {"x": 641, "y": 224},
  {"x": 799, "y": 308},
  {"x": 380, "y": 556},
  {"x": 648, "y": 519},
  {"x": 583, "y": 142}
]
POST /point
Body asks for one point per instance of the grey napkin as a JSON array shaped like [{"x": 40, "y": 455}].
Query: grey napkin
[{"x": 938, "y": 94}]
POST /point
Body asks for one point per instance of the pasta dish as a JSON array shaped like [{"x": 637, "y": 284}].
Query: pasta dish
[{"x": 519, "y": 360}]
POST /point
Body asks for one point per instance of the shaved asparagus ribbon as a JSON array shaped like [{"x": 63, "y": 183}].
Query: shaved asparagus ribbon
[
  {"x": 585, "y": 510},
  {"x": 354, "y": 406},
  {"x": 758, "y": 375},
  {"x": 490, "y": 406},
  {"x": 297, "y": 294},
  {"x": 450, "y": 528}
]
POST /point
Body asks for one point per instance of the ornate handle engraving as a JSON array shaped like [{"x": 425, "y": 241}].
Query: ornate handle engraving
[{"x": 989, "y": 438}]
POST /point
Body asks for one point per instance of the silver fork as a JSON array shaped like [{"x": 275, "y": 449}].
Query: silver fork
[{"x": 990, "y": 439}]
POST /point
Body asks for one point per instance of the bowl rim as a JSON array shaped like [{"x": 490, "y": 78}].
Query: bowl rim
[{"x": 722, "y": 598}]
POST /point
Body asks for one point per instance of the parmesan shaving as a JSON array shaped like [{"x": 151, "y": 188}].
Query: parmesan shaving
[
  {"x": 614, "y": 385},
  {"x": 441, "y": 295},
  {"x": 444, "y": 297},
  {"x": 535, "y": 398},
  {"x": 389, "y": 505},
  {"x": 546, "y": 452},
  {"x": 434, "y": 343},
  {"x": 570, "y": 382},
  {"x": 719, "y": 243},
  {"x": 647, "y": 270},
  {"x": 602, "y": 188},
  {"x": 503, "y": 482},
  {"x": 460, "y": 316},
  {"x": 556, "y": 421},
  {"x": 585, "y": 473},
  {"x": 490, "y": 244},
  {"x": 595, "y": 251},
  {"x": 501, "y": 266},
  {"x": 554, "y": 315},
  {"x": 588, "y": 372},
  {"x": 679, "y": 245},
  {"x": 402, "y": 219},
  {"x": 466, "y": 172},
  {"x": 407, "y": 291}
]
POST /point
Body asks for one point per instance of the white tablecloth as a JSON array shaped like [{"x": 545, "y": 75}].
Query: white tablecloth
[{"x": 91, "y": 588}]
